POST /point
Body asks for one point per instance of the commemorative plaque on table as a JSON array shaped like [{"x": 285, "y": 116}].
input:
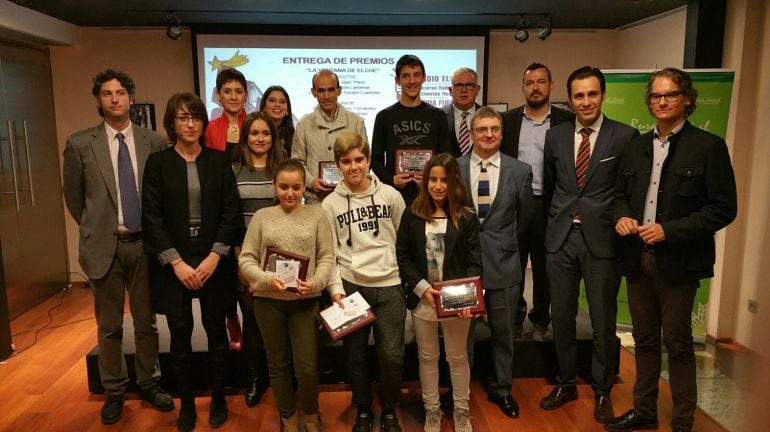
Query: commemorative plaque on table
[
  {"x": 329, "y": 173},
  {"x": 412, "y": 161},
  {"x": 458, "y": 294}
]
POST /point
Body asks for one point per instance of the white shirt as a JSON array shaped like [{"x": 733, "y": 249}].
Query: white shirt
[
  {"x": 112, "y": 141},
  {"x": 660, "y": 147},
  {"x": 591, "y": 138},
  {"x": 493, "y": 174},
  {"x": 459, "y": 120}
]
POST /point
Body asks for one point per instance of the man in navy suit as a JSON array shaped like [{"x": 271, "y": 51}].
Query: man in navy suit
[
  {"x": 524, "y": 131},
  {"x": 501, "y": 191},
  {"x": 464, "y": 90},
  {"x": 580, "y": 171},
  {"x": 104, "y": 201},
  {"x": 675, "y": 189}
]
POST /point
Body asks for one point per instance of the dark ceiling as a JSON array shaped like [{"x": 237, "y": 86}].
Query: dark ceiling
[{"x": 567, "y": 14}]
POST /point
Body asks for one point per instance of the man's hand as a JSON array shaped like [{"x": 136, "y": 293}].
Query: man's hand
[
  {"x": 401, "y": 180},
  {"x": 626, "y": 226},
  {"x": 652, "y": 233},
  {"x": 318, "y": 186}
]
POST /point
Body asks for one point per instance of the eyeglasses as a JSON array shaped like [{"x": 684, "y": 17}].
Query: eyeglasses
[
  {"x": 669, "y": 97},
  {"x": 484, "y": 130},
  {"x": 467, "y": 86},
  {"x": 184, "y": 119}
]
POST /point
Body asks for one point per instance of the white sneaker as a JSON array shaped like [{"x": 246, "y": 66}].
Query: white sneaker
[
  {"x": 462, "y": 420},
  {"x": 433, "y": 420}
]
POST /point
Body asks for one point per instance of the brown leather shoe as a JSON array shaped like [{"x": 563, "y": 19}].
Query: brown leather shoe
[
  {"x": 558, "y": 397},
  {"x": 603, "y": 408}
]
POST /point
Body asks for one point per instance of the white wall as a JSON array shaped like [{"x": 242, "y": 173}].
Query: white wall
[{"x": 653, "y": 44}]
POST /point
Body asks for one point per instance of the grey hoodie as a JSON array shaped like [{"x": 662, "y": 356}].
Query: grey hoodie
[{"x": 365, "y": 225}]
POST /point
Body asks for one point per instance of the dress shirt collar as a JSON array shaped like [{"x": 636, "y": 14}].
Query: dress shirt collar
[
  {"x": 494, "y": 160},
  {"x": 128, "y": 133},
  {"x": 459, "y": 112},
  {"x": 673, "y": 132},
  {"x": 547, "y": 116},
  {"x": 595, "y": 126}
]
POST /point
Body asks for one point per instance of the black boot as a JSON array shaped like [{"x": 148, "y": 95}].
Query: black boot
[
  {"x": 187, "y": 414},
  {"x": 255, "y": 389},
  {"x": 218, "y": 410}
]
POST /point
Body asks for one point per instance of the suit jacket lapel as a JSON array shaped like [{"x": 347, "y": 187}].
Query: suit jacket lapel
[
  {"x": 450, "y": 118},
  {"x": 101, "y": 149},
  {"x": 569, "y": 151},
  {"x": 502, "y": 186},
  {"x": 600, "y": 148},
  {"x": 142, "y": 145}
]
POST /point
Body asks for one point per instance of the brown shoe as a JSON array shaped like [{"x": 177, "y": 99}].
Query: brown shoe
[
  {"x": 558, "y": 397},
  {"x": 603, "y": 408}
]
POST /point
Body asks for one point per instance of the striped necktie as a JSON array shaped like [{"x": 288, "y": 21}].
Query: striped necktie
[
  {"x": 483, "y": 199},
  {"x": 464, "y": 136},
  {"x": 583, "y": 157}
]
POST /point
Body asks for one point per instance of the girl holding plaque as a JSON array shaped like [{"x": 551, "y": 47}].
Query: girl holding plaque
[
  {"x": 288, "y": 319},
  {"x": 438, "y": 240}
]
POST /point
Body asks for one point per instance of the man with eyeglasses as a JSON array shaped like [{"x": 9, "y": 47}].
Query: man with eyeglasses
[
  {"x": 580, "y": 169},
  {"x": 464, "y": 90},
  {"x": 524, "y": 139},
  {"x": 500, "y": 189},
  {"x": 316, "y": 132},
  {"x": 103, "y": 168},
  {"x": 675, "y": 190}
]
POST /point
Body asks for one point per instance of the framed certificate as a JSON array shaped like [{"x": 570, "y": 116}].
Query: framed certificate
[
  {"x": 412, "y": 161},
  {"x": 458, "y": 294},
  {"x": 339, "y": 322},
  {"x": 329, "y": 173},
  {"x": 287, "y": 265}
]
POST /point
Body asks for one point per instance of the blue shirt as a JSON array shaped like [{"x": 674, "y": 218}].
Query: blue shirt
[{"x": 531, "y": 147}]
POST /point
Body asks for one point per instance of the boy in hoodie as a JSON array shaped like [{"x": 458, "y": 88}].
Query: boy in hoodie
[{"x": 365, "y": 214}]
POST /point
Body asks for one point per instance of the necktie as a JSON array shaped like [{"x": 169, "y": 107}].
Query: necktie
[
  {"x": 583, "y": 157},
  {"x": 129, "y": 198},
  {"x": 483, "y": 192},
  {"x": 464, "y": 136}
]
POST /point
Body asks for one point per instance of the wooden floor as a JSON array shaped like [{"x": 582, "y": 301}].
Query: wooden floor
[{"x": 43, "y": 388}]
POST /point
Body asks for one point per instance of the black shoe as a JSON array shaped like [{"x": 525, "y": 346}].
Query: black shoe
[
  {"x": 254, "y": 392},
  {"x": 363, "y": 422},
  {"x": 506, "y": 404},
  {"x": 187, "y": 416},
  {"x": 558, "y": 396},
  {"x": 158, "y": 398},
  {"x": 630, "y": 421},
  {"x": 447, "y": 401},
  {"x": 217, "y": 411},
  {"x": 389, "y": 423},
  {"x": 112, "y": 409},
  {"x": 603, "y": 408}
]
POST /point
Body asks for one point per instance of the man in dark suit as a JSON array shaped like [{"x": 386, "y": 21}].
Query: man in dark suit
[
  {"x": 501, "y": 191},
  {"x": 524, "y": 131},
  {"x": 580, "y": 170},
  {"x": 675, "y": 189},
  {"x": 103, "y": 169},
  {"x": 464, "y": 90}
]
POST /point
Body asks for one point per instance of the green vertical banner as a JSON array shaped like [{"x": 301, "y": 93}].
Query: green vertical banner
[{"x": 625, "y": 102}]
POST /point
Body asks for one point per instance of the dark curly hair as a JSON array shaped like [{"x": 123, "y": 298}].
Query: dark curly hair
[{"x": 109, "y": 75}]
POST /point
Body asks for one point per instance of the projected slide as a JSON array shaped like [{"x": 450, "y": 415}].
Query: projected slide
[{"x": 367, "y": 75}]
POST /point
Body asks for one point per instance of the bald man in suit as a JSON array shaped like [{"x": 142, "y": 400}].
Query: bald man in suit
[{"x": 103, "y": 168}]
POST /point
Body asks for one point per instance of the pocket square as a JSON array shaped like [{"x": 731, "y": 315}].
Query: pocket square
[{"x": 608, "y": 159}]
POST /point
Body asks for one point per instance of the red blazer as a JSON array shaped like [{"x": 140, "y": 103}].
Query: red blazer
[{"x": 216, "y": 131}]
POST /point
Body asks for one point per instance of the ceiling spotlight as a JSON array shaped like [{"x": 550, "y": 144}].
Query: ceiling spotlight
[
  {"x": 521, "y": 30},
  {"x": 173, "y": 31},
  {"x": 545, "y": 28}
]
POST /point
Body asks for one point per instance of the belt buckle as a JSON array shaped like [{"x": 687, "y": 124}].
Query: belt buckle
[
  {"x": 194, "y": 231},
  {"x": 577, "y": 224}
]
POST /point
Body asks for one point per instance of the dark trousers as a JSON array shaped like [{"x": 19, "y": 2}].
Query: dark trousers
[
  {"x": 253, "y": 343},
  {"x": 566, "y": 267},
  {"x": 290, "y": 329},
  {"x": 532, "y": 247},
  {"x": 180, "y": 325},
  {"x": 128, "y": 273},
  {"x": 656, "y": 304},
  {"x": 389, "y": 306},
  {"x": 501, "y": 307}
]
